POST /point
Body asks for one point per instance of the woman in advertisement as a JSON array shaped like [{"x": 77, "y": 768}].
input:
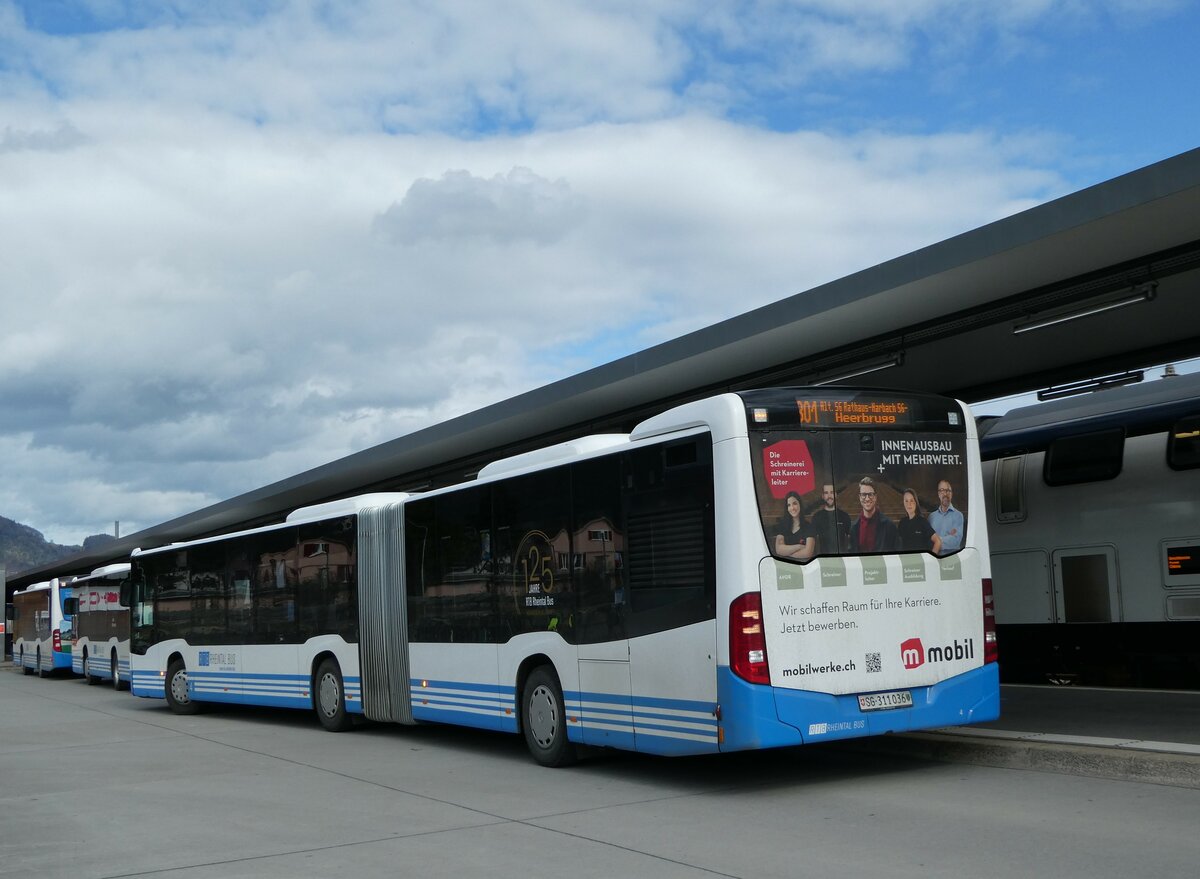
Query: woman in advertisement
[
  {"x": 916, "y": 534},
  {"x": 794, "y": 538}
]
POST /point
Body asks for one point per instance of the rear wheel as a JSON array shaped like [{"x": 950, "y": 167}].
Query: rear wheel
[
  {"x": 115, "y": 667},
  {"x": 544, "y": 719},
  {"x": 87, "y": 671},
  {"x": 41, "y": 672},
  {"x": 25, "y": 669},
  {"x": 178, "y": 698},
  {"x": 329, "y": 697}
]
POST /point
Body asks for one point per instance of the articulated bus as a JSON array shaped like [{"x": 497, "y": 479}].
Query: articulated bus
[
  {"x": 752, "y": 570},
  {"x": 100, "y": 607},
  {"x": 42, "y": 627}
]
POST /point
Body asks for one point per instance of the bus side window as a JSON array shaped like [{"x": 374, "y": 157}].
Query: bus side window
[
  {"x": 534, "y": 552},
  {"x": 599, "y": 546},
  {"x": 668, "y": 503}
]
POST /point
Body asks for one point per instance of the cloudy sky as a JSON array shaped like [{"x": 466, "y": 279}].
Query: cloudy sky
[{"x": 240, "y": 239}]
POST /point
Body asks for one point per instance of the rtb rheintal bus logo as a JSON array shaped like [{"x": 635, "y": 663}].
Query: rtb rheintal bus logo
[{"x": 913, "y": 653}]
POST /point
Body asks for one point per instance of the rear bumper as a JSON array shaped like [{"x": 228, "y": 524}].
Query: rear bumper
[{"x": 759, "y": 716}]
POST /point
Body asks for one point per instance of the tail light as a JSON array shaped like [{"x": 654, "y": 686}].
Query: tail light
[
  {"x": 747, "y": 642},
  {"x": 991, "y": 649},
  {"x": 57, "y": 640}
]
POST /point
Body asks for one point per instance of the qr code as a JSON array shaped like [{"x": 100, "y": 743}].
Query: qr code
[{"x": 874, "y": 663}]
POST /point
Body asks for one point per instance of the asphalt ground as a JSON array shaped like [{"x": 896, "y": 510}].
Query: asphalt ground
[
  {"x": 101, "y": 785},
  {"x": 1138, "y": 735}
]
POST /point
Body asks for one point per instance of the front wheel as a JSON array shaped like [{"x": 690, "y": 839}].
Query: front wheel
[
  {"x": 329, "y": 698},
  {"x": 24, "y": 668},
  {"x": 178, "y": 698},
  {"x": 544, "y": 719}
]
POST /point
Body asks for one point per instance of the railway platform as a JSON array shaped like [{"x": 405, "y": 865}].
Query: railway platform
[{"x": 1141, "y": 735}]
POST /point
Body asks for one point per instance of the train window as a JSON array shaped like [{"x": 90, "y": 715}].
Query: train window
[
  {"x": 1010, "y": 489},
  {"x": 1088, "y": 457},
  {"x": 1183, "y": 444}
]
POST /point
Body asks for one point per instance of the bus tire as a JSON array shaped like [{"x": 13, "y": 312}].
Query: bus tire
[
  {"x": 329, "y": 697},
  {"x": 41, "y": 672},
  {"x": 25, "y": 669},
  {"x": 176, "y": 690},
  {"x": 544, "y": 719},
  {"x": 115, "y": 666},
  {"x": 91, "y": 679}
]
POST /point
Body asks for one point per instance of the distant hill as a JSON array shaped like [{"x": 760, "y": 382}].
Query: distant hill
[{"x": 22, "y": 547}]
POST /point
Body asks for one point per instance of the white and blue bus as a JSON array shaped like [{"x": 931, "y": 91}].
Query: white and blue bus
[
  {"x": 752, "y": 570},
  {"x": 41, "y": 627},
  {"x": 100, "y": 609}
]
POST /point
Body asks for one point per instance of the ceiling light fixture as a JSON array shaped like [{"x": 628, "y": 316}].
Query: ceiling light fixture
[
  {"x": 1092, "y": 384},
  {"x": 865, "y": 368},
  {"x": 1141, "y": 293}
]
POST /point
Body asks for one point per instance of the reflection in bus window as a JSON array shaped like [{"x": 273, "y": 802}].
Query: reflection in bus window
[{"x": 843, "y": 492}]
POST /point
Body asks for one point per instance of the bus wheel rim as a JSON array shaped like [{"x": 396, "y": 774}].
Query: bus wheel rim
[
  {"x": 330, "y": 695},
  {"x": 179, "y": 687},
  {"x": 543, "y": 716}
]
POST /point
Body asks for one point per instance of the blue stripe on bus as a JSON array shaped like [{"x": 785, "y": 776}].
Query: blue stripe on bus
[
  {"x": 271, "y": 690},
  {"x": 494, "y": 689},
  {"x": 492, "y": 720},
  {"x": 643, "y": 722},
  {"x": 149, "y": 684}
]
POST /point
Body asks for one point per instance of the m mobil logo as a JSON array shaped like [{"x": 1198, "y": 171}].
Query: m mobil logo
[{"x": 912, "y": 653}]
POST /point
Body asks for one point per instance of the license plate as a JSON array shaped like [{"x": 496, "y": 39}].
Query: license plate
[{"x": 884, "y": 701}]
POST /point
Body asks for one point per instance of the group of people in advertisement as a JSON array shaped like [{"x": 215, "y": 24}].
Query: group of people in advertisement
[{"x": 832, "y": 531}]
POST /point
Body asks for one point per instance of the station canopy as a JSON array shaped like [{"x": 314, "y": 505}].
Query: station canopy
[{"x": 1094, "y": 283}]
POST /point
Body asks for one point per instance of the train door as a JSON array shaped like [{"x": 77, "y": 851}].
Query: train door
[{"x": 1086, "y": 586}]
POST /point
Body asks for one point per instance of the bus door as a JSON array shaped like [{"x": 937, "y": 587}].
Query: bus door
[
  {"x": 670, "y": 583},
  {"x": 599, "y": 618}
]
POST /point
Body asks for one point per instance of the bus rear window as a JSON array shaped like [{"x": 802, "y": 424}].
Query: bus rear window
[{"x": 859, "y": 492}]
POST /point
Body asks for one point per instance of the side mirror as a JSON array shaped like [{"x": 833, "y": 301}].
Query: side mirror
[
  {"x": 126, "y": 591},
  {"x": 70, "y": 606}
]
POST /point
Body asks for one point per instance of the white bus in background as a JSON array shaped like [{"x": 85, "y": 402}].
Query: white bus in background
[
  {"x": 100, "y": 606},
  {"x": 41, "y": 627},
  {"x": 702, "y": 584}
]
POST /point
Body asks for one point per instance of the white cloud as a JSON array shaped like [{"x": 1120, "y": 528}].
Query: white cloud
[
  {"x": 206, "y": 307},
  {"x": 508, "y": 208},
  {"x": 238, "y": 247}
]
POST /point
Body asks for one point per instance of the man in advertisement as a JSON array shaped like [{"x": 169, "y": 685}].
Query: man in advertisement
[
  {"x": 947, "y": 521},
  {"x": 832, "y": 526},
  {"x": 873, "y": 532}
]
